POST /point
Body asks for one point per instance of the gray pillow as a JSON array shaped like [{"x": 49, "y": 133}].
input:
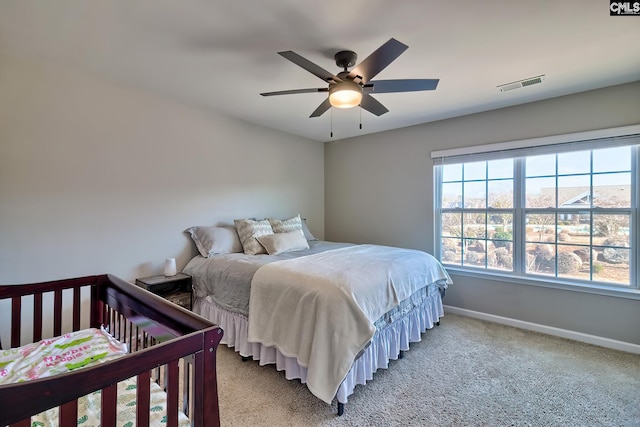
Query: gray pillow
[
  {"x": 213, "y": 240},
  {"x": 306, "y": 231}
]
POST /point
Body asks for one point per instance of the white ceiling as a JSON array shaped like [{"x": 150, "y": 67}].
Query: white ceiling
[{"x": 220, "y": 54}]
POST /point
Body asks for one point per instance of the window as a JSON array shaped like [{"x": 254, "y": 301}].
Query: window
[
  {"x": 477, "y": 214},
  {"x": 559, "y": 212}
]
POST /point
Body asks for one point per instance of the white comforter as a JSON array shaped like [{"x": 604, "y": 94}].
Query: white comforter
[{"x": 320, "y": 308}]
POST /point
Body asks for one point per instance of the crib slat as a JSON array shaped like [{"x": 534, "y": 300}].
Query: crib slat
[
  {"x": 186, "y": 387},
  {"x": 76, "y": 308},
  {"x": 69, "y": 414},
  {"x": 95, "y": 309},
  {"x": 172, "y": 393},
  {"x": 37, "y": 317},
  {"x": 57, "y": 312},
  {"x": 16, "y": 305},
  {"x": 142, "y": 399},
  {"x": 108, "y": 410}
]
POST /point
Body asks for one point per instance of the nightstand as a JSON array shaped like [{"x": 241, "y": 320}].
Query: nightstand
[{"x": 176, "y": 289}]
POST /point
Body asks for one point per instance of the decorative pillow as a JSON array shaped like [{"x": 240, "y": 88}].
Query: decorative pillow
[
  {"x": 286, "y": 225},
  {"x": 283, "y": 242},
  {"x": 248, "y": 230},
  {"x": 215, "y": 240},
  {"x": 306, "y": 231},
  {"x": 291, "y": 224}
]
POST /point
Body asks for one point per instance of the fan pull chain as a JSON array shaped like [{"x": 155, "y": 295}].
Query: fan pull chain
[
  {"x": 360, "y": 117},
  {"x": 331, "y": 122}
]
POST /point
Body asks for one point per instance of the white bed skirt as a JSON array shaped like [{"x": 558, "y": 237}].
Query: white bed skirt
[{"x": 386, "y": 343}]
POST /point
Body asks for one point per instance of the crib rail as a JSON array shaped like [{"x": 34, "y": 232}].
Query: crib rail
[
  {"x": 17, "y": 294},
  {"x": 164, "y": 341}
]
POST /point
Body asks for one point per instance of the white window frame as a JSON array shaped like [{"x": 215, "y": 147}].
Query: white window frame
[{"x": 554, "y": 144}]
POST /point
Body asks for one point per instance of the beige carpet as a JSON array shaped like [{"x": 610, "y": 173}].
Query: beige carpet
[{"x": 466, "y": 372}]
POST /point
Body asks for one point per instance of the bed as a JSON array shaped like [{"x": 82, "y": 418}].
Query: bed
[
  {"x": 292, "y": 309},
  {"x": 164, "y": 375}
]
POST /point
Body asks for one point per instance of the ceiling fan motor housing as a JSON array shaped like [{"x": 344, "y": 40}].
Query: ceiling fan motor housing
[{"x": 345, "y": 59}]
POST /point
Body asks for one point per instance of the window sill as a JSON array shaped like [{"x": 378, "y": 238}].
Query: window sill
[{"x": 551, "y": 282}]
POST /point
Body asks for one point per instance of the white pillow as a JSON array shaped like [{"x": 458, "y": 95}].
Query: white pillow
[
  {"x": 283, "y": 242},
  {"x": 248, "y": 230},
  {"x": 211, "y": 240}
]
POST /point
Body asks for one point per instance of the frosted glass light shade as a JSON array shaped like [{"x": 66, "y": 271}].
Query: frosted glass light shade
[{"x": 346, "y": 94}]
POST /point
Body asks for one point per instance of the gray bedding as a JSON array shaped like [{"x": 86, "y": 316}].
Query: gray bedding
[{"x": 227, "y": 278}]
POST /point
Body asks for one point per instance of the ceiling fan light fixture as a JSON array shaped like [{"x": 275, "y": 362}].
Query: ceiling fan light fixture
[{"x": 346, "y": 94}]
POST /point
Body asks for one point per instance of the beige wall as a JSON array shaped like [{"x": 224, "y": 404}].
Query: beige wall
[
  {"x": 379, "y": 189},
  {"x": 98, "y": 177}
]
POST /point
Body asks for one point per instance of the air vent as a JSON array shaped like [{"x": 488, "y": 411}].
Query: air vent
[{"x": 521, "y": 83}]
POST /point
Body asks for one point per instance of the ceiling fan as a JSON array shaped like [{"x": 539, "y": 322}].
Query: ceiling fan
[{"x": 352, "y": 88}]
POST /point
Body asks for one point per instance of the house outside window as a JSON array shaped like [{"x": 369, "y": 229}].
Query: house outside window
[{"x": 558, "y": 213}]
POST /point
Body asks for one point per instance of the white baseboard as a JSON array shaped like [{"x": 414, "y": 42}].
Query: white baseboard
[{"x": 550, "y": 330}]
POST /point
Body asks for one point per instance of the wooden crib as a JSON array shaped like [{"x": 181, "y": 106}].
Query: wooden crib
[{"x": 167, "y": 345}]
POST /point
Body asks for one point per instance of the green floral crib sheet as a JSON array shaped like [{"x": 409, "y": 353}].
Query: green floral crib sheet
[
  {"x": 58, "y": 355},
  {"x": 89, "y": 409}
]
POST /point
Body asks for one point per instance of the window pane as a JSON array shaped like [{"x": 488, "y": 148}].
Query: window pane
[
  {"x": 612, "y": 190},
  {"x": 500, "y": 193},
  {"x": 541, "y": 259},
  {"x": 611, "y": 230},
  {"x": 452, "y": 172},
  {"x": 571, "y": 264},
  {"x": 612, "y": 265},
  {"x": 451, "y": 251},
  {"x": 574, "y": 191},
  {"x": 612, "y": 159},
  {"x": 501, "y": 223},
  {"x": 500, "y": 258},
  {"x": 474, "y": 252},
  {"x": 474, "y": 225},
  {"x": 500, "y": 247},
  {"x": 452, "y": 195},
  {"x": 541, "y": 227},
  {"x": 475, "y": 194},
  {"x": 477, "y": 170},
  {"x": 541, "y": 192},
  {"x": 452, "y": 225},
  {"x": 541, "y": 165},
  {"x": 500, "y": 168},
  {"x": 575, "y": 162},
  {"x": 574, "y": 227}
]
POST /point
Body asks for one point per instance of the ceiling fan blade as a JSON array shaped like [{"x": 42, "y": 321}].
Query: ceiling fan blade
[
  {"x": 370, "y": 104},
  {"x": 309, "y": 66},
  {"x": 294, "y": 91},
  {"x": 408, "y": 85},
  {"x": 322, "y": 108},
  {"x": 378, "y": 60}
]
